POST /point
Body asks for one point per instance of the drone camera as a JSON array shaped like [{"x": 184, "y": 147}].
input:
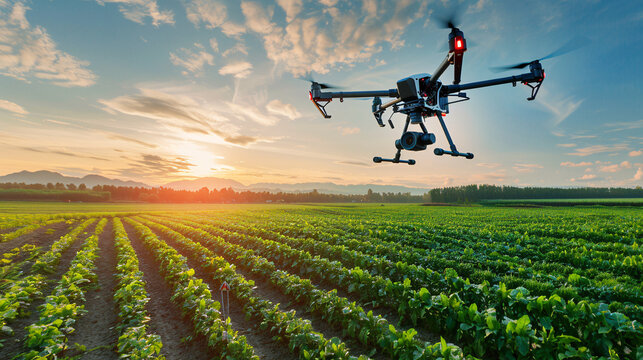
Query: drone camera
[{"x": 414, "y": 141}]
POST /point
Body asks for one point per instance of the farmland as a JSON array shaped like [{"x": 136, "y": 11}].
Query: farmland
[{"x": 320, "y": 281}]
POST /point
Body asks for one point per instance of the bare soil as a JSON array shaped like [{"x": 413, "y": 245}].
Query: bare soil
[
  {"x": 262, "y": 341},
  {"x": 96, "y": 329},
  {"x": 14, "y": 344},
  {"x": 165, "y": 316},
  {"x": 37, "y": 237}
]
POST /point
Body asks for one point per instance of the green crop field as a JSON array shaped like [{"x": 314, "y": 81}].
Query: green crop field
[{"x": 141, "y": 281}]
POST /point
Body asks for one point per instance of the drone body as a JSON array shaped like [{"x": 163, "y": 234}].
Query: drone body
[{"x": 422, "y": 96}]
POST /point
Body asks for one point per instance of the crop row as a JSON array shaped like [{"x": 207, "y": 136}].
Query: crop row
[
  {"x": 27, "y": 229},
  {"x": 568, "y": 318},
  {"x": 572, "y": 285},
  {"x": 48, "y": 336},
  {"x": 134, "y": 341},
  {"x": 298, "y": 332},
  {"x": 194, "y": 298}
]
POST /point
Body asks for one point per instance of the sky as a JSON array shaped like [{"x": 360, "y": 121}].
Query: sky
[{"x": 164, "y": 90}]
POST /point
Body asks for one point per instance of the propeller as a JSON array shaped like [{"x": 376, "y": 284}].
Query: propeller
[
  {"x": 449, "y": 20},
  {"x": 573, "y": 44},
  {"x": 308, "y": 77}
]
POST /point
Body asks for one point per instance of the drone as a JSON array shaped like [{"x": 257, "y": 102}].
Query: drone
[{"x": 422, "y": 96}]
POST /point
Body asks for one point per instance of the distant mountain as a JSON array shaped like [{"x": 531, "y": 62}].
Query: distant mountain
[
  {"x": 44, "y": 177},
  {"x": 208, "y": 182}
]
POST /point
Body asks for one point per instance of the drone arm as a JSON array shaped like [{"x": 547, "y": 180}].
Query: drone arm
[
  {"x": 448, "y": 60},
  {"x": 523, "y": 78},
  {"x": 354, "y": 94}
]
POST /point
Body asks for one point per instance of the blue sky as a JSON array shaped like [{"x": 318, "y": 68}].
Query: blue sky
[{"x": 156, "y": 90}]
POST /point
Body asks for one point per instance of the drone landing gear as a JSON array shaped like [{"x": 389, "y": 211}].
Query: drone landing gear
[
  {"x": 454, "y": 151},
  {"x": 395, "y": 160}
]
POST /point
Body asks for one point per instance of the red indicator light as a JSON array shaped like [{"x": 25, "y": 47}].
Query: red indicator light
[
  {"x": 543, "y": 75},
  {"x": 458, "y": 44},
  {"x": 310, "y": 94}
]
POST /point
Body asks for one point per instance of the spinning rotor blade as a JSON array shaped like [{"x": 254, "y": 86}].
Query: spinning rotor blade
[
  {"x": 308, "y": 77},
  {"x": 449, "y": 20},
  {"x": 574, "y": 44}
]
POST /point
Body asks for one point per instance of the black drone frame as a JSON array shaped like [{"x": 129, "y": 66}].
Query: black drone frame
[{"x": 430, "y": 100}]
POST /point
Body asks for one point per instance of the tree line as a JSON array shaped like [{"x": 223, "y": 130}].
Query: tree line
[
  {"x": 476, "y": 193},
  {"x": 204, "y": 195}
]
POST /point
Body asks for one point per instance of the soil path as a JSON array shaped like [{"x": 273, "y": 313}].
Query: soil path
[
  {"x": 95, "y": 330},
  {"x": 165, "y": 317},
  {"x": 14, "y": 344},
  {"x": 38, "y": 237},
  {"x": 261, "y": 340}
]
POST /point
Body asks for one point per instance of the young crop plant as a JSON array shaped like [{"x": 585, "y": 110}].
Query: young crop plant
[
  {"x": 195, "y": 299},
  {"x": 47, "y": 338},
  {"x": 46, "y": 263},
  {"x": 27, "y": 229},
  {"x": 448, "y": 311},
  {"x": 365, "y": 327},
  {"x": 134, "y": 340}
]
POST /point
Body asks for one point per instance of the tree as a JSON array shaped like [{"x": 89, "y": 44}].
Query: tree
[
  {"x": 71, "y": 186},
  {"x": 60, "y": 186},
  {"x": 50, "y": 186},
  {"x": 82, "y": 187}
]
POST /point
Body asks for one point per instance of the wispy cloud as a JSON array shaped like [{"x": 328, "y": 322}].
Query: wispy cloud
[
  {"x": 279, "y": 108},
  {"x": 567, "y": 145},
  {"x": 526, "y": 168},
  {"x": 193, "y": 61},
  {"x": 572, "y": 164},
  {"x": 132, "y": 140},
  {"x": 138, "y": 10},
  {"x": 635, "y": 153},
  {"x": 354, "y": 163},
  {"x": 240, "y": 69},
  {"x": 586, "y": 177},
  {"x": 597, "y": 149},
  {"x": 193, "y": 115},
  {"x": 624, "y": 126},
  {"x": 61, "y": 152},
  {"x": 561, "y": 108},
  {"x": 489, "y": 165},
  {"x": 29, "y": 52},
  {"x": 348, "y": 130},
  {"x": 13, "y": 107}
]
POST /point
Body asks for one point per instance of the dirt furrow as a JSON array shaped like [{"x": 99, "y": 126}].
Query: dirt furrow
[
  {"x": 14, "y": 345},
  {"x": 261, "y": 340},
  {"x": 165, "y": 317},
  {"x": 38, "y": 237},
  {"x": 95, "y": 330}
]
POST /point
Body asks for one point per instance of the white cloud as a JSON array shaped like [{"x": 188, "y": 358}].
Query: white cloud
[
  {"x": 239, "y": 47},
  {"x": 625, "y": 125},
  {"x": 489, "y": 165},
  {"x": 279, "y": 108},
  {"x": 291, "y": 7},
  {"x": 27, "y": 51},
  {"x": 239, "y": 69},
  {"x": 209, "y": 12},
  {"x": 635, "y": 153},
  {"x": 567, "y": 145},
  {"x": 639, "y": 174},
  {"x": 192, "y": 61},
  {"x": 571, "y": 164},
  {"x": 214, "y": 44},
  {"x": 138, "y": 10},
  {"x": 586, "y": 177},
  {"x": 320, "y": 41},
  {"x": 348, "y": 130},
  {"x": 616, "y": 167},
  {"x": 596, "y": 149},
  {"x": 13, "y": 107}
]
